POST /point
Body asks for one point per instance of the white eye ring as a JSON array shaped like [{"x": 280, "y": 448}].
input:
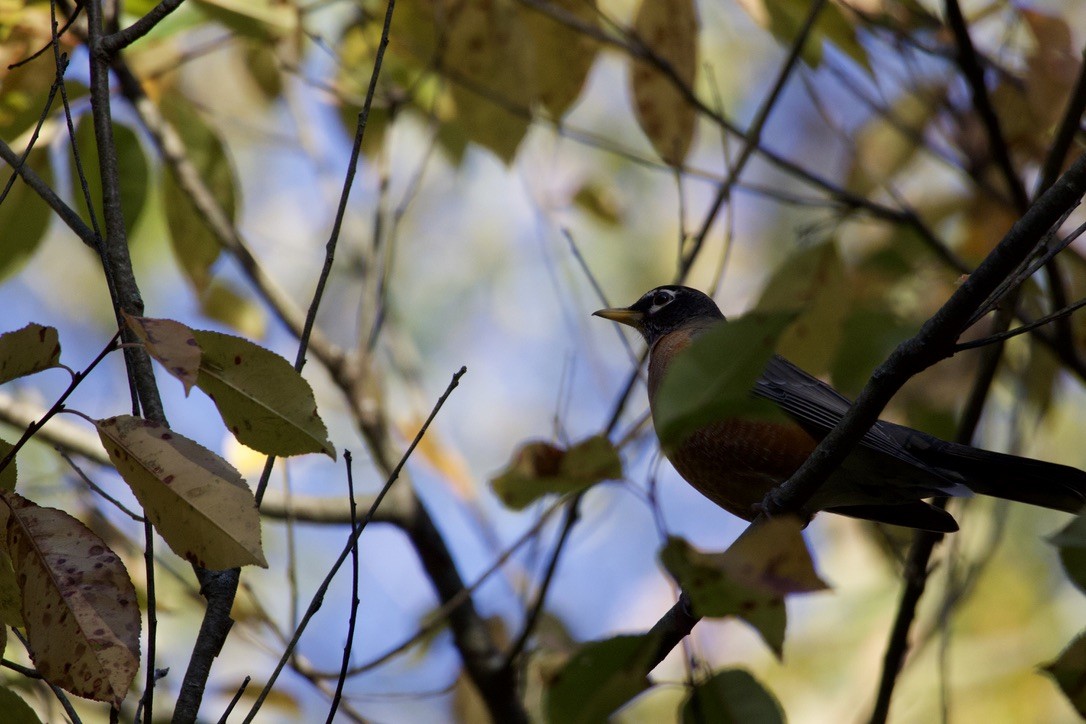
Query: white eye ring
[{"x": 661, "y": 298}]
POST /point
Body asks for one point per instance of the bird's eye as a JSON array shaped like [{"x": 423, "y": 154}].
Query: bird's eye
[{"x": 661, "y": 298}]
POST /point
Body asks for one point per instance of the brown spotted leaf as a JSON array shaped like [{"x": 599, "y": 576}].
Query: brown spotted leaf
[
  {"x": 669, "y": 29},
  {"x": 80, "y": 608},
  {"x": 750, "y": 580},
  {"x": 171, "y": 343},
  {"x": 197, "y": 501},
  {"x": 28, "y": 350},
  {"x": 261, "y": 397},
  {"x": 540, "y": 468}
]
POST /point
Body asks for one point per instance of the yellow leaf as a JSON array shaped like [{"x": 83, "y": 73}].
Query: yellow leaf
[
  {"x": 669, "y": 28},
  {"x": 197, "y": 501},
  {"x": 262, "y": 399},
  {"x": 82, "y": 617},
  {"x": 28, "y": 350}
]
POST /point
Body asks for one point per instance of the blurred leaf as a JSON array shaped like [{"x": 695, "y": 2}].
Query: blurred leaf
[
  {"x": 888, "y": 142},
  {"x": 171, "y": 343},
  {"x": 24, "y": 89},
  {"x": 445, "y": 460},
  {"x": 16, "y": 711},
  {"x": 562, "y": 56},
  {"x": 487, "y": 51},
  {"x": 869, "y": 335},
  {"x": 1069, "y": 671},
  {"x": 258, "y": 19},
  {"x": 24, "y": 217},
  {"x": 751, "y": 578},
  {"x": 262, "y": 65},
  {"x": 1039, "y": 377},
  {"x": 602, "y": 202},
  {"x": 82, "y": 617},
  {"x": 713, "y": 378},
  {"x": 1072, "y": 544},
  {"x": 222, "y": 302},
  {"x": 600, "y": 678},
  {"x": 669, "y": 28},
  {"x": 132, "y": 173},
  {"x": 785, "y": 18},
  {"x": 540, "y": 468},
  {"x": 732, "y": 696},
  {"x": 195, "y": 245},
  {"x": 812, "y": 280},
  {"x": 27, "y": 351},
  {"x": 8, "y": 475},
  {"x": 196, "y": 500},
  {"x": 263, "y": 400},
  {"x": 278, "y": 699},
  {"x": 986, "y": 220}
]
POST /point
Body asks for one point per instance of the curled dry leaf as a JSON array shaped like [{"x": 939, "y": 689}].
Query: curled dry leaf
[
  {"x": 196, "y": 500},
  {"x": 750, "y": 579},
  {"x": 540, "y": 468},
  {"x": 80, "y": 608},
  {"x": 171, "y": 343},
  {"x": 263, "y": 400}
]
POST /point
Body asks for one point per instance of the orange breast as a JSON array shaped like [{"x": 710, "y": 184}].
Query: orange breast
[{"x": 733, "y": 462}]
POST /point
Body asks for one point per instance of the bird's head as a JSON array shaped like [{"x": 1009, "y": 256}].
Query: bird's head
[{"x": 664, "y": 310}]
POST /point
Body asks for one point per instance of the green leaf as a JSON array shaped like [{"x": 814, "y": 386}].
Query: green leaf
[
  {"x": 16, "y": 711},
  {"x": 732, "y": 696},
  {"x": 785, "y": 18},
  {"x": 540, "y": 468},
  {"x": 1072, "y": 544},
  {"x": 8, "y": 474},
  {"x": 197, "y": 501},
  {"x": 713, "y": 378},
  {"x": 767, "y": 562},
  {"x": 869, "y": 334},
  {"x": 171, "y": 343},
  {"x": 27, "y": 351},
  {"x": 812, "y": 280},
  {"x": 257, "y": 19},
  {"x": 24, "y": 217},
  {"x": 262, "y": 399},
  {"x": 132, "y": 173},
  {"x": 195, "y": 245},
  {"x": 1069, "y": 671},
  {"x": 600, "y": 678}
]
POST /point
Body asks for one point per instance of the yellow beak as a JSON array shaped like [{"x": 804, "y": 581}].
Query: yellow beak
[{"x": 621, "y": 315}]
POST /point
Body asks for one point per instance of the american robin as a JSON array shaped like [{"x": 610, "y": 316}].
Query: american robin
[{"x": 735, "y": 462}]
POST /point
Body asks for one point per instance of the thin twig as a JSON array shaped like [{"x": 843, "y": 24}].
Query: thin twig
[
  {"x": 121, "y": 39},
  {"x": 318, "y": 596},
  {"x": 235, "y": 699},
  {"x": 354, "y": 596}
]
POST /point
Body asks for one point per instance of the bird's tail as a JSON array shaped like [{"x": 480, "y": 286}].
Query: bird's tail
[{"x": 1049, "y": 485}]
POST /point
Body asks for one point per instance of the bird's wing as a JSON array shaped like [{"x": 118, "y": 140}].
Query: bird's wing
[{"x": 818, "y": 408}]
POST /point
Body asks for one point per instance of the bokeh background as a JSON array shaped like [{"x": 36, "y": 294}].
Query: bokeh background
[{"x": 481, "y": 233}]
